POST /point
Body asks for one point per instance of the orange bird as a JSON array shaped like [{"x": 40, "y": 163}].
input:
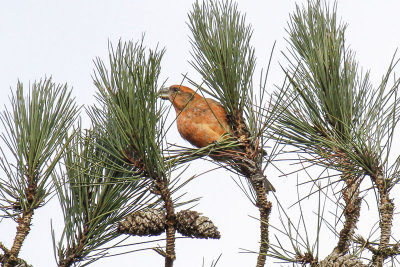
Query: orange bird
[{"x": 201, "y": 121}]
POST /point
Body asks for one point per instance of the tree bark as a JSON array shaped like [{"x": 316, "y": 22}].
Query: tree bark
[
  {"x": 351, "y": 214},
  {"x": 170, "y": 224},
  {"x": 386, "y": 209},
  {"x": 23, "y": 228},
  {"x": 264, "y": 207}
]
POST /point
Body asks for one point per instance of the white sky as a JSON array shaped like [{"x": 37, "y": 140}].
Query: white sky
[{"x": 61, "y": 39}]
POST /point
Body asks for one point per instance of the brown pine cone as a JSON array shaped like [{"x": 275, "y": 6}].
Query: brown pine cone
[
  {"x": 148, "y": 222},
  {"x": 339, "y": 260},
  {"x": 190, "y": 223}
]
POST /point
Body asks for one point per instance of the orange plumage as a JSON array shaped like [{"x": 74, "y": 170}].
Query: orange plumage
[{"x": 201, "y": 121}]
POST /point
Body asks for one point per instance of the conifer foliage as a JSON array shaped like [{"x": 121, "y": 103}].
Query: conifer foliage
[{"x": 119, "y": 180}]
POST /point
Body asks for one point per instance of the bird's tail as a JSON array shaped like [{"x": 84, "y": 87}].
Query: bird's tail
[
  {"x": 268, "y": 186},
  {"x": 259, "y": 176}
]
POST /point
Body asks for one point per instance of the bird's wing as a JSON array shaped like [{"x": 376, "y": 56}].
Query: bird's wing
[
  {"x": 198, "y": 134},
  {"x": 211, "y": 112}
]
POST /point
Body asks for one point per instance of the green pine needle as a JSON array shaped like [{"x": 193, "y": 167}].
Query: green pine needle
[
  {"x": 222, "y": 53},
  {"x": 94, "y": 196},
  {"x": 35, "y": 137},
  {"x": 130, "y": 114},
  {"x": 330, "y": 109}
]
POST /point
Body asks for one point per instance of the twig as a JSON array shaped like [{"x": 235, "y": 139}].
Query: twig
[
  {"x": 161, "y": 188},
  {"x": 386, "y": 208},
  {"x": 10, "y": 258},
  {"x": 165, "y": 193},
  {"x": 351, "y": 213},
  {"x": 392, "y": 249},
  {"x": 307, "y": 258},
  {"x": 3, "y": 248},
  {"x": 365, "y": 244},
  {"x": 264, "y": 207},
  {"x": 74, "y": 254},
  {"x": 252, "y": 170}
]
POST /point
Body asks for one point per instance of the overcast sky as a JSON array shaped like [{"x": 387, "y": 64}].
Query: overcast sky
[{"x": 61, "y": 39}]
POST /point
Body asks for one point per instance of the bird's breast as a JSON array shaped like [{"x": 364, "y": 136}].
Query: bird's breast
[{"x": 201, "y": 125}]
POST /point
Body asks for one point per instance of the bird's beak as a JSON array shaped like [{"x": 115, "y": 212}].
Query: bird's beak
[{"x": 164, "y": 93}]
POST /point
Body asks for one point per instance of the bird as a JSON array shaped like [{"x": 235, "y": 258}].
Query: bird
[{"x": 201, "y": 121}]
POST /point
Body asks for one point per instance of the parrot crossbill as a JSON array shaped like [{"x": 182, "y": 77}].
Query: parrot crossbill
[{"x": 201, "y": 121}]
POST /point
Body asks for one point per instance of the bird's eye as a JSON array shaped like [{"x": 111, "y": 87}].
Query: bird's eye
[{"x": 175, "y": 89}]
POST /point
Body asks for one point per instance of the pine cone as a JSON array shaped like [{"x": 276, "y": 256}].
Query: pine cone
[
  {"x": 339, "y": 260},
  {"x": 190, "y": 223},
  {"x": 143, "y": 223}
]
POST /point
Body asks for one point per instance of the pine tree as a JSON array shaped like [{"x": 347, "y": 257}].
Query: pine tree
[{"x": 120, "y": 179}]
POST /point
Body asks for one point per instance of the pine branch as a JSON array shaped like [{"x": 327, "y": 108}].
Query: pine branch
[
  {"x": 351, "y": 196},
  {"x": 264, "y": 207},
  {"x": 24, "y": 226},
  {"x": 332, "y": 113},
  {"x": 170, "y": 223},
  {"x": 95, "y": 192},
  {"x": 222, "y": 54},
  {"x": 36, "y": 131},
  {"x": 390, "y": 251},
  {"x": 386, "y": 208},
  {"x": 131, "y": 124},
  {"x": 118, "y": 167}
]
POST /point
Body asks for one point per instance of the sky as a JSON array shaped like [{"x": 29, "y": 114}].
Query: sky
[{"x": 62, "y": 38}]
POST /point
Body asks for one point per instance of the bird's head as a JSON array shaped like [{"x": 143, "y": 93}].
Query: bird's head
[{"x": 179, "y": 95}]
